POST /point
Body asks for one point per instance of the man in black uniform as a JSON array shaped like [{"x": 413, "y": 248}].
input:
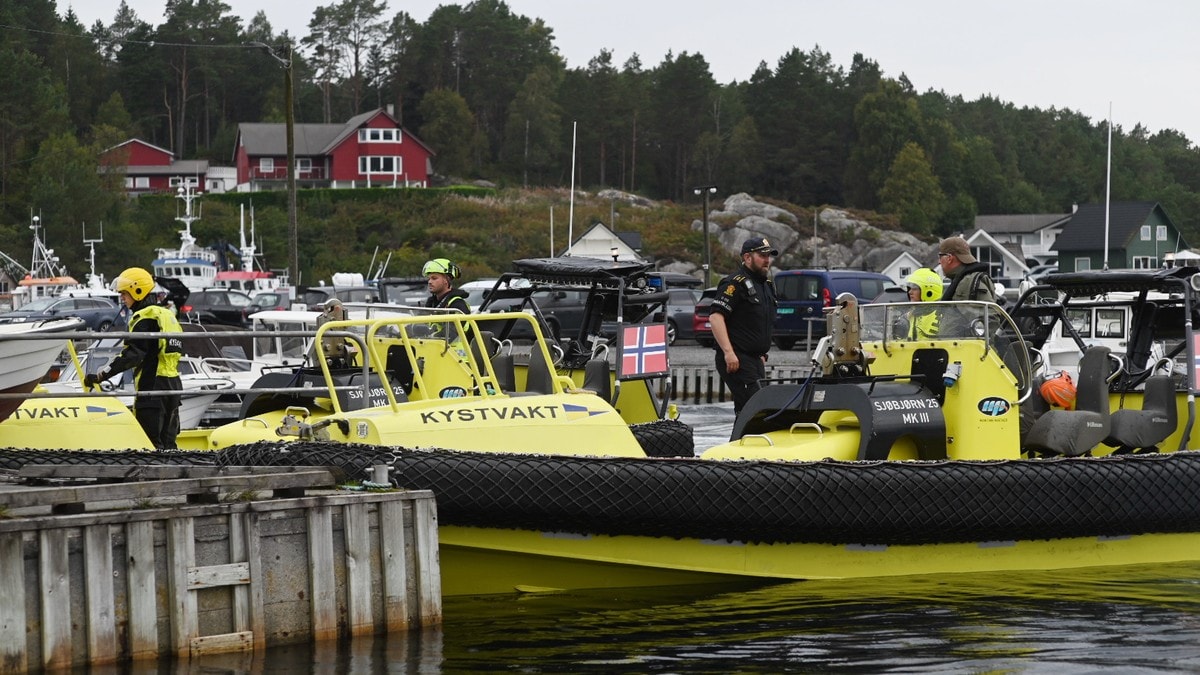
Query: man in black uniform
[{"x": 743, "y": 316}]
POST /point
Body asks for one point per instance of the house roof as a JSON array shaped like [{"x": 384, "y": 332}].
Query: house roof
[
  {"x": 183, "y": 167},
  {"x": 1084, "y": 232},
  {"x": 140, "y": 142},
  {"x": 1013, "y": 253},
  {"x": 1019, "y": 223},
  {"x": 260, "y": 138}
]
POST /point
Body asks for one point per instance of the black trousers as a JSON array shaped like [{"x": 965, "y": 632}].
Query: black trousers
[
  {"x": 743, "y": 382},
  {"x": 161, "y": 423}
]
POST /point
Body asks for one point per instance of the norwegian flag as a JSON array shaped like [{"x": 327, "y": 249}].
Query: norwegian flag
[{"x": 643, "y": 351}]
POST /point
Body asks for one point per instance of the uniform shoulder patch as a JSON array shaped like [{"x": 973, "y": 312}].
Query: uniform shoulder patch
[{"x": 729, "y": 290}]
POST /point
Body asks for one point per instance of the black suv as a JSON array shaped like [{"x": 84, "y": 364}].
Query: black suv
[{"x": 216, "y": 305}]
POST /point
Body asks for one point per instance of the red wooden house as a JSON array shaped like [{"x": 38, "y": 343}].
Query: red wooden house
[
  {"x": 370, "y": 150},
  {"x": 149, "y": 168}
]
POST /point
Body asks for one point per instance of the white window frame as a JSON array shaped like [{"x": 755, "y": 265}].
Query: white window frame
[
  {"x": 303, "y": 164},
  {"x": 364, "y": 165},
  {"x": 1083, "y": 264},
  {"x": 1145, "y": 234},
  {"x": 266, "y": 164},
  {"x": 140, "y": 182},
  {"x": 1160, "y": 233},
  {"x": 378, "y": 135},
  {"x": 1145, "y": 262}
]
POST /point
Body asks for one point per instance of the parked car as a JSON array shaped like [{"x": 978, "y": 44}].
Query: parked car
[
  {"x": 314, "y": 297},
  {"x": 216, "y": 305},
  {"x": 681, "y": 305},
  {"x": 892, "y": 293},
  {"x": 803, "y": 296},
  {"x": 98, "y": 313},
  {"x": 701, "y": 328},
  {"x": 477, "y": 291},
  {"x": 411, "y": 291},
  {"x": 268, "y": 300}
]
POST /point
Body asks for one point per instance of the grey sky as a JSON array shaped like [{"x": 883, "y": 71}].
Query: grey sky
[{"x": 1142, "y": 57}]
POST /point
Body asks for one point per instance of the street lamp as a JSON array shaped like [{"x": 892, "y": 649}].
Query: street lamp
[
  {"x": 706, "y": 190},
  {"x": 283, "y": 54}
]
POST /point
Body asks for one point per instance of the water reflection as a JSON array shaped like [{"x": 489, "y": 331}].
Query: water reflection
[{"x": 1127, "y": 619}]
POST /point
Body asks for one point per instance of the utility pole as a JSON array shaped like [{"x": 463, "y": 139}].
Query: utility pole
[
  {"x": 283, "y": 55},
  {"x": 706, "y": 190}
]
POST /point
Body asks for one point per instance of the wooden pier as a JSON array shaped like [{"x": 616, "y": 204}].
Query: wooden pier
[{"x": 189, "y": 560}]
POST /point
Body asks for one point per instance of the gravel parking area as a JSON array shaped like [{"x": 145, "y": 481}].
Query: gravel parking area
[{"x": 688, "y": 353}]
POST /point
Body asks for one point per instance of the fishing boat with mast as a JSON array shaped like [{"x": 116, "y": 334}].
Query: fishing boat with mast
[
  {"x": 46, "y": 276},
  {"x": 250, "y": 278},
  {"x": 195, "y": 266}
]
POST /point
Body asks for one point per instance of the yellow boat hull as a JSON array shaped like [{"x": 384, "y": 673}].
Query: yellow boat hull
[
  {"x": 482, "y": 560},
  {"x": 99, "y": 423}
]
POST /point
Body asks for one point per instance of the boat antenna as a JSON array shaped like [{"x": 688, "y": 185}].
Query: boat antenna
[
  {"x": 371, "y": 265},
  {"x": 44, "y": 263},
  {"x": 188, "y": 195},
  {"x": 571, "y": 213},
  {"x": 93, "y": 280},
  {"x": 1108, "y": 186}
]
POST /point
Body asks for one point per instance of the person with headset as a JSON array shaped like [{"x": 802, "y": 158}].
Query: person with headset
[
  {"x": 924, "y": 285},
  {"x": 440, "y": 274},
  {"x": 155, "y": 361}
]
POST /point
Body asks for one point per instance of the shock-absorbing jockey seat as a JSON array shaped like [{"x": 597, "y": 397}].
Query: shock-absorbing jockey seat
[
  {"x": 1076, "y": 432},
  {"x": 1143, "y": 430}
]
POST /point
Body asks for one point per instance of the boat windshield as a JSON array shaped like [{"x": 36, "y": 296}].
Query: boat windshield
[{"x": 892, "y": 322}]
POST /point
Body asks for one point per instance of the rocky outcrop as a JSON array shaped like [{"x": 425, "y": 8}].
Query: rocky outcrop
[
  {"x": 741, "y": 217},
  {"x": 626, "y": 198}
]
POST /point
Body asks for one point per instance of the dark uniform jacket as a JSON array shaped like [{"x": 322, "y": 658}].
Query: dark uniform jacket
[
  {"x": 748, "y": 305},
  {"x": 455, "y": 299}
]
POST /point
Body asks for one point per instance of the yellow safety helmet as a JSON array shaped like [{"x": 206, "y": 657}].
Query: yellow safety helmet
[
  {"x": 441, "y": 266},
  {"x": 135, "y": 281},
  {"x": 928, "y": 282}
]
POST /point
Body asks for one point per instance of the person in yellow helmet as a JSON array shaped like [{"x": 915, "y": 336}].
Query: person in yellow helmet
[
  {"x": 440, "y": 274},
  {"x": 924, "y": 285},
  {"x": 155, "y": 361}
]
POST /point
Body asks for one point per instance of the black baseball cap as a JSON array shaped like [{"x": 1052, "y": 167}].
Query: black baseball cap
[{"x": 758, "y": 245}]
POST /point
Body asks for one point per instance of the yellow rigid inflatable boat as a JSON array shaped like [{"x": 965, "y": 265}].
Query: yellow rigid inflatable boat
[{"x": 895, "y": 457}]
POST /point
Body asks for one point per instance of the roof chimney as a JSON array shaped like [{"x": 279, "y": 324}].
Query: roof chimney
[{"x": 391, "y": 110}]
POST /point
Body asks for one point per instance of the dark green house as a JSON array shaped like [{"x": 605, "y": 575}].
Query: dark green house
[{"x": 1139, "y": 235}]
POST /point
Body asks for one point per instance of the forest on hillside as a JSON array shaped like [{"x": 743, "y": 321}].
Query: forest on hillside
[{"x": 488, "y": 90}]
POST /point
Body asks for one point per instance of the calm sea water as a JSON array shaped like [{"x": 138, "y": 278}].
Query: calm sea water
[
  {"x": 1121, "y": 620},
  {"x": 1144, "y": 620}
]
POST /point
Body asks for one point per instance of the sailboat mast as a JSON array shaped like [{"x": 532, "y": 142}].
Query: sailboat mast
[{"x": 1108, "y": 186}]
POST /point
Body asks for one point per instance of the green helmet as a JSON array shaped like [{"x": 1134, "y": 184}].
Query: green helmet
[
  {"x": 928, "y": 282},
  {"x": 441, "y": 266}
]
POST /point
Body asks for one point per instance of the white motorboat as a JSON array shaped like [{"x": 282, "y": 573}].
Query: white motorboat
[{"x": 24, "y": 362}]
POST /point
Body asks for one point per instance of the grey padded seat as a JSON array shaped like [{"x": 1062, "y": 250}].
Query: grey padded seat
[
  {"x": 539, "y": 377},
  {"x": 1144, "y": 429},
  {"x": 506, "y": 372},
  {"x": 1076, "y": 432},
  {"x": 597, "y": 377}
]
